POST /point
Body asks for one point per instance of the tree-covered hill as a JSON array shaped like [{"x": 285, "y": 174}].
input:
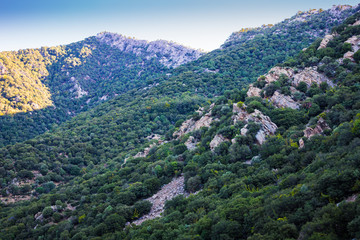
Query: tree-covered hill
[
  {"x": 261, "y": 170},
  {"x": 57, "y": 83},
  {"x": 46, "y": 86}
]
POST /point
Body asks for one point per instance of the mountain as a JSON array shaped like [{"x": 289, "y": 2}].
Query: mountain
[
  {"x": 273, "y": 160},
  {"x": 42, "y": 87}
]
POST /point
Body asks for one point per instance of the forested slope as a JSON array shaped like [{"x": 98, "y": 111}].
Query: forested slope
[
  {"x": 42, "y": 87},
  {"x": 277, "y": 160},
  {"x": 76, "y": 77}
]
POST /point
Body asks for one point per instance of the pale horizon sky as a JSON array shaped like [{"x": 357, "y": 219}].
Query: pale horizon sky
[{"x": 200, "y": 24}]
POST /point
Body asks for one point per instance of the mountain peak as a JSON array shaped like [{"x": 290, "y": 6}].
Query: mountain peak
[{"x": 170, "y": 54}]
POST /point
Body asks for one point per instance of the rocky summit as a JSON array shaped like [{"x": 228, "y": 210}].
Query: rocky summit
[{"x": 168, "y": 53}]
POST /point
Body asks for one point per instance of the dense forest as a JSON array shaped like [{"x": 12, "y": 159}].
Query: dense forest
[{"x": 277, "y": 159}]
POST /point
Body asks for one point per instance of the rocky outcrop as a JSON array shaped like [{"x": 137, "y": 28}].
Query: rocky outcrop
[
  {"x": 282, "y": 101},
  {"x": 274, "y": 74},
  {"x": 310, "y": 75},
  {"x": 320, "y": 127},
  {"x": 325, "y": 41},
  {"x": 355, "y": 43},
  {"x": 167, "y": 192},
  {"x": 253, "y": 91},
  {"x": 192, "y": 125},
  {"x": 168, "y": 53},
  {"x": 267, "y": 126},
  {"x": 216, "y": 141},
  {"x": 191, "y": 143},
  {"x": 348, "y": 55},
  {"x": 77, "y": 90}
]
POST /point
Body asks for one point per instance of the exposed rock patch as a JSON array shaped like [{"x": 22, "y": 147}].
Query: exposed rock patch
[
  {"x": 78, "y": 91},
  {"x": 310, "y": 75},
  {"x": 355, "y": 43},
  {"x": 167, "y": 192},
  {"x": 282, "y": 101},
  {"x": 253, "y": 91},
  {"x": 217, "y": 140},
  {"x": 320, "y": 127},
  {"x": 191, "y": 143},
  {"x": 274, "y": 74},
  {"x": 168, "y": 53},
  {"x": 325, "y": 41},
  {"x": 192, "y": 125},
  {"x": 267, "y": 126}
]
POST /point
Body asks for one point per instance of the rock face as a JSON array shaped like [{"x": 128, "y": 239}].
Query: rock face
[
  {"x": 325, "y": 41},
  {"x": 191, "y": 143},
  {"x": 320, "y": 127},
  {"x": 274, "y": 74},
  {"x": 253, "y": 91},
  {"x": 309, "y": 76},
  {"x": 192, "y": 125},
  {"x": 217, "y": 140},
  {"x": 355, "y": 43},
  {"x": 282, "y": 101},
  {"x": 77, "y": 90},
  {"x": 168, "y": 53},
  {"x": 167, "y": 192},
  {"x": 267, "y": 126}
]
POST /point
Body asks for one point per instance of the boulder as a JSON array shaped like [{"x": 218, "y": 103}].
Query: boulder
[{"x": 282, "y": 101}]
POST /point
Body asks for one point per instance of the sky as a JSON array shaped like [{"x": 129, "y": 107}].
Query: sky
[{"x": 200, "y": 24}]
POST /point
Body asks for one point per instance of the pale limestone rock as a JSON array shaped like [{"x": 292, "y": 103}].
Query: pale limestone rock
[
  {"x": 244, "y": 130},
  {"x": 253, "y": 91},
  {"x": 260, "y": 136},
  {"x": 282, "y": 101},
  {"x": 167, "y": 192},
  {"x": 267, "y": 126},
  {"x": 301, "y": 143},
  {"x": 274, "y": 74},
  {"x": 320, "y": 127},
  {"x": 356, "y": 23},
  {"x": 168, "y": 53},
  {"x": 217, "y": 140},
  {"x": 349, "y": 55},
  {"x": 355, "y": 43},
  {"x": 190, "y": 143},
  {"x": 192, "y": 125},
  {"x": 325, "y": 41},
  {"x": 310, "y": 75}
]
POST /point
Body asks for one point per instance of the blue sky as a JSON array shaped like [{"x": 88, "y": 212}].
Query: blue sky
[{"x": 198, "y": 23}]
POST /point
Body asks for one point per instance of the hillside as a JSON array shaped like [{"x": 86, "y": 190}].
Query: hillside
[
  {"x": 42, "y": 87},
  {"x": 74, "y": 78},
  {"x": 277, "y": 159}
]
